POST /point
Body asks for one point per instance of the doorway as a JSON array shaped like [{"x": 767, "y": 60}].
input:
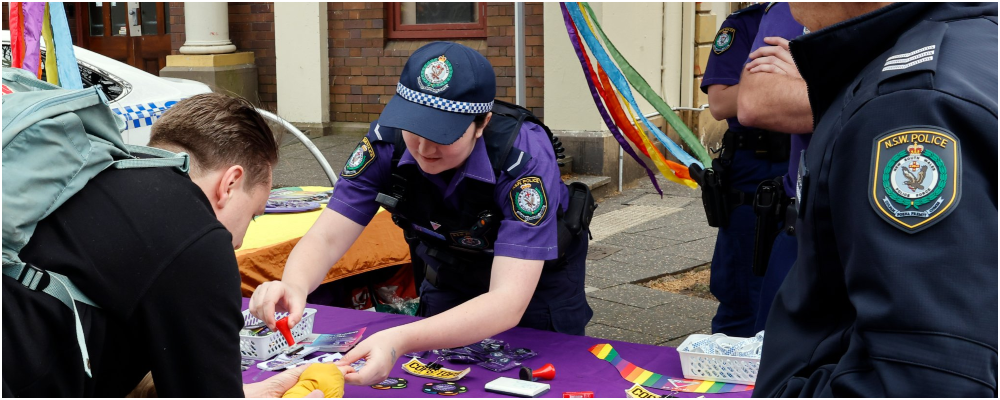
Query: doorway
[{"x": 135, "y": 33}]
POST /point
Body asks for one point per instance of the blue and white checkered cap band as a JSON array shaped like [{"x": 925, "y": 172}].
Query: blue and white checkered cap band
[{"x": 442, "y": 104}]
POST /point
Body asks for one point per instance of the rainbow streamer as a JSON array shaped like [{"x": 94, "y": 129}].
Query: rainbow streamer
[
  {"x": 637, "y": 375},
  {"x": 16, "y": 34},
  {"x": 51, "y": 68},
  {"x": 647, "y": 92},
  {"x": 621, "y": 82},
  {"x": 33, "y": 13},
  {"x": 68, "y": 69}
]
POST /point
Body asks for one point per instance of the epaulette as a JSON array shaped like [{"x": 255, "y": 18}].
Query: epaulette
[
  {"x": 752, "y": 7},
  {"x": 916, "y": 53}
]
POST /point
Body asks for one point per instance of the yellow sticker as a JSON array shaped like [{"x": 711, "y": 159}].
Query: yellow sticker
[
  {"x": 639, "y": 392},
  {"x": 415, "y": 367}
]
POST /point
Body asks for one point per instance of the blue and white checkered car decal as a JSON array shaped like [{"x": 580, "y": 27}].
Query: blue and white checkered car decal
[
  {"x": 140, "y": 115},
  {"x": 441, "y": 103}
]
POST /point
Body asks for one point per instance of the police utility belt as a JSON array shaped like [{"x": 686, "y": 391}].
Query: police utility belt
[
  {"x": 461, "y": 241},
  {"x": 771, "y": 205},
  {"x": 717, "y": 193}
]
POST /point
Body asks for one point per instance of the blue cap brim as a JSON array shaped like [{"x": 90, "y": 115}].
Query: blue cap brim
[{"x": 438, "y": 126}]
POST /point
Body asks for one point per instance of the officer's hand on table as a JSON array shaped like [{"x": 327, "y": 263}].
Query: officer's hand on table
[
  {"x": 278, "y": 296},
  {"x": 276, "y": 386},
  {"x": 379, "y": 351},
  {"x": 775, "y": 58}
]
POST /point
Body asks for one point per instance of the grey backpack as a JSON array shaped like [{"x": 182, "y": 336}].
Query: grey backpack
[{"x": 54, "y": 142}]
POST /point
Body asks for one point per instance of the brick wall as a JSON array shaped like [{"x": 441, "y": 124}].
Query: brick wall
[
  {"x": 365, "y": 65},
  {"x": 251, "y": 28}
]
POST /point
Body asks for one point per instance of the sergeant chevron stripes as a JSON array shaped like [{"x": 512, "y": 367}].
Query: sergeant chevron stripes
[{"x": 907, "y": 60}]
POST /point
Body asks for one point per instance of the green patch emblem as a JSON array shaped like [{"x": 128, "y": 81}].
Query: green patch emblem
[
  {"x": 435, "y": 75},
  {"x": 915, "y": 177},
  {"x": 723, "y": 40},
  {"x": 362, "y": 156},
  {"x": 527, "y": 198}
]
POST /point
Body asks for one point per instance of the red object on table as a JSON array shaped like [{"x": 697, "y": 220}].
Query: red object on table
[
  {"x": 578, "y": 395},
  {"x": 287, "y": 333},
  {"x": 547, "y": 372}
]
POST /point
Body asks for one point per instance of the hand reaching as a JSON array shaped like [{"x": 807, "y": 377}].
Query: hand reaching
[
  {"x": 380, "y": 354},
  {"x": 277, "y": 296}
]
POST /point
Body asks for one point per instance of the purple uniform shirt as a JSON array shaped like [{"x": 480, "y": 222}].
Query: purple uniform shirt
[
  {"x": 729, "y": 52},
  {"x": 778, "y": 21},
  {"x": 355, "y": 198}
]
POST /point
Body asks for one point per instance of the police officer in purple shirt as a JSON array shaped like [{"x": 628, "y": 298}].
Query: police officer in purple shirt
[
  {"x": 474, "y": 183},
  {"x": 775, "y": 98},
  {"x": 748, "y": 156}
]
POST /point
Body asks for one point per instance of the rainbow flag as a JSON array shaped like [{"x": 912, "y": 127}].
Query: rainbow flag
[{"x": 638, "y": 375}]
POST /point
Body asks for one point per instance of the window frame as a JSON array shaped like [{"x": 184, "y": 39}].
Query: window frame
[{"x": 395, "y": 29}]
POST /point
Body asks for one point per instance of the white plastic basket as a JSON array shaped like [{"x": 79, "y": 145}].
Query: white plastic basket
[
  {"x": 719, "y": 368},
  {"x": 265, "y": 347}
]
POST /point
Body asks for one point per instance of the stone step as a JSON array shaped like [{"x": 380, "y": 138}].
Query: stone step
[
  {"x": 567, "y": 167},
  {"x": 600, "y": 186}
]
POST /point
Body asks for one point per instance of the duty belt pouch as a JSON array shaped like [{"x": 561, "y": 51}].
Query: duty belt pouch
[
  {"x": 580, "y": 209},
  {"x": 714, "y": 194},
  {"x": 767, "y": 205}
]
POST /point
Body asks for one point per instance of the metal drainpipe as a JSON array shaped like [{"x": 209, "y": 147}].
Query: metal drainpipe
[{"x": 519, "y": 76}]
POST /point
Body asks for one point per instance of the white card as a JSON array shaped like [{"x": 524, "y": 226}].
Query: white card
[{"x": 517, "y": 387}]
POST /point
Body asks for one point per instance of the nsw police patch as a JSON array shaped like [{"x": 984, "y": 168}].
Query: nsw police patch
[
  {"x": 362, "y": 156},
  {"x": 915, "y": 178},
  {"x": 723, "y": 40},
  {"x": 528, "y": 200}
]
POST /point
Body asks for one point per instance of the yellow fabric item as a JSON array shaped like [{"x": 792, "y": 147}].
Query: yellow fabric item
[
  {"x": 271, "y": 237},
  {"x": 51, "y": 71},
  {"x": 325, "y": 377}
]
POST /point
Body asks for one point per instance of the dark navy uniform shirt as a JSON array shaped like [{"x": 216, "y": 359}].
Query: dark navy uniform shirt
[
  {"x": 729, "y": 52},
  {"x": 894, "y": 292}
]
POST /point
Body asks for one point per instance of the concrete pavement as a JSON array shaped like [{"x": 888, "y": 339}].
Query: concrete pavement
[{"x": 637, "y": 237}]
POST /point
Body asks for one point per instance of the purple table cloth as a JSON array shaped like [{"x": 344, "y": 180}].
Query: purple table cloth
[{"x": 576, "y": 368}]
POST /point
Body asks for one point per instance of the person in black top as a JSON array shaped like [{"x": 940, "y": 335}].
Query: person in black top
[
  {"x": 894, "y": 292},
  {"x": 154, "y": 248}
]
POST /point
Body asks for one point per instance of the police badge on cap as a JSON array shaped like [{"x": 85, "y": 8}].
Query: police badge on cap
[{"x": 915, "y": 177}]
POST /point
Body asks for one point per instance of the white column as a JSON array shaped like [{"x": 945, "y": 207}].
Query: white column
[
  {"x": 302, "y": 65},
  {"x": 206, "y": 28}
]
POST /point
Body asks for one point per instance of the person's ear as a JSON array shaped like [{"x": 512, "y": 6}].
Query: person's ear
[
  {"x": 231, "y": 181},
  {"x": 480, "y": 129}
]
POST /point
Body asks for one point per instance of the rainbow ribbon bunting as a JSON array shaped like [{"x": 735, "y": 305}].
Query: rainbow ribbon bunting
[
  {"x": 610, "y": 84},
  {"x": 637, "y": 375},
  {"x": 31, "y": 24}
]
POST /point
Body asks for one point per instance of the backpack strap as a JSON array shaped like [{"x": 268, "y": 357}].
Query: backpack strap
[
  {"x": 60, "y": 287},
  {"x": 163, "y": 158}
]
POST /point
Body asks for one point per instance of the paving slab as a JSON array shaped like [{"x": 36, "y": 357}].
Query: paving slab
[
  {"x": 600, "y": 282},
  {"x": 654, "y": 324},
  {"x": 700, "y": 249},
  {"x": 634, "y": 295},
  {"x": 681, "y": 232},
  {"x": 687, "y": 306},
  {"x": 608, "y": 224},
  {"x": 642, "y": 265},
  {"x": 613, "y": 333},
  {"x": 637, "y": 241},
  {"x": 655, "y": 200},
  {"x": 677, "y": 342}
]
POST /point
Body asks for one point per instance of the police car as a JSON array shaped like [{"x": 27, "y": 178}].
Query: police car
[{"x": 136, "y": 95}]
